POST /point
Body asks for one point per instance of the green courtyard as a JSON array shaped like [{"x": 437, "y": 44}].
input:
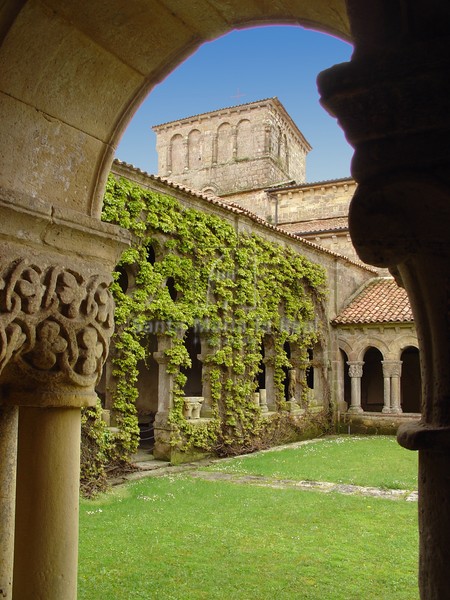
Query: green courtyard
[{"x": 243, "y": 529}]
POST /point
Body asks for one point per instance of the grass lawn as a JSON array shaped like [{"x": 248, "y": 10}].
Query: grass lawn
[
  {"x": 176, "y": 538},
  {"x": 370, "y": 461}
]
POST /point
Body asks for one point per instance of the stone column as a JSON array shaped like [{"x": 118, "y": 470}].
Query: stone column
[
  {"x": 8, "y": 453},
  {"x": 56, "y": 320},
  {"x": 46, "y": 549},
  {"x": 386, "y": 388},
  {"x": 206, "y": 409},
  {"x": 392, "y": 370},
  {"x": 394, "y": 107},
  {"x": 263, "y": 401},
  {"x": 162, "y": 448},
  {"x": 355, "y": 371},
  {"x": 395, "y": 388},
  {"x": 269, "y": 363}
]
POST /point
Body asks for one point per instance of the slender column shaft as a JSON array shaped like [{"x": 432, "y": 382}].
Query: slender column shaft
[
  {"x": 395, "y": 385},
  {"x": 48, "y": 465},
  {"x": 355, "y": 373},
  {"x": 8, "y": 455},
  {"x": 387, "y": 394}
]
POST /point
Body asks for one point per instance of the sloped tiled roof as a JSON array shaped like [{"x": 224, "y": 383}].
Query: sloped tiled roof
[
  {"x": 316, "y": 226},
  {"x": 118, "y": 165},
  {"x": 309, "y": 184},
  {"x": 380, "y": 301}
]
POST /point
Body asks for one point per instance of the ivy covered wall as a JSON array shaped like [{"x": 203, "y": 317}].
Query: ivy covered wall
[{"x": 254, "y": 305}]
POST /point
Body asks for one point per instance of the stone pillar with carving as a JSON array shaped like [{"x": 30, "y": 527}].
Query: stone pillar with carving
[
  {"x": 394, "y": 106},
  {"x": 56, "y": 320},
  {"x": 355, "y": 371}
]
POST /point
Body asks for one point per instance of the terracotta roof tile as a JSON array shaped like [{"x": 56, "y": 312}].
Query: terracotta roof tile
[
  {"x": 317, "y": 226},
  {"x": 234, "y": 208},
  {"x": 380, "y": 301}
]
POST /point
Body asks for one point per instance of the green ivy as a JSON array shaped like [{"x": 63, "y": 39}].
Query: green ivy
[{"x": 238, "y": 286}]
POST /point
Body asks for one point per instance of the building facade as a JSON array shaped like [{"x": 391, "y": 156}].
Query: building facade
[{"x": 319, "y": 212}]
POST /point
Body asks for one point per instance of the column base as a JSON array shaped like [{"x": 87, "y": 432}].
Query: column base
[{"x": 355, "y": 410}]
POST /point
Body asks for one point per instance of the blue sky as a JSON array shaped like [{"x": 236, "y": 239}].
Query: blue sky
[{"x": 242, "y": 67}]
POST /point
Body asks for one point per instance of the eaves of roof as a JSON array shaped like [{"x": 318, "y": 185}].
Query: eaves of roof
[{"x": 213, "y": 200}]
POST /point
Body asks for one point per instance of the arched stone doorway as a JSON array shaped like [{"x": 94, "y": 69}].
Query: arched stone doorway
[
  {"x": 372, "y": 381},
  {"x": 411, "y": 381}
]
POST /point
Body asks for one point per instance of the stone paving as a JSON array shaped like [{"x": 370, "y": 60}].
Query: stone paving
[{"x": 146, "y": 466}]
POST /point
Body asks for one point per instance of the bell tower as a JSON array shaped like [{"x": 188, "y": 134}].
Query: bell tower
[{"x": 233, "y": 150}]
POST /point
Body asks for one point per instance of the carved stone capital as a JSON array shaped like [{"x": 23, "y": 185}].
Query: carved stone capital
[
  {"x": 56, "y": 311},
  {"x": 55, "y": 322},
  {"x": 355, "y": 368},
  {"x": 392, "y": 368}
]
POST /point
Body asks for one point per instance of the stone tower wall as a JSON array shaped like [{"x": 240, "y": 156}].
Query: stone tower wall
[
  {"x": 240, "y": 148},
  {"x": 322, "y": 201}
]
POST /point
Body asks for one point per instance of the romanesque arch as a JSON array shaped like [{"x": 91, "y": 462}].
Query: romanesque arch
[
  {"x": 244, "y": 140},
  {"x": 194, "y": 149},
  {"x": 224, "y": 143},
  {"x": 177, "y": 154}
]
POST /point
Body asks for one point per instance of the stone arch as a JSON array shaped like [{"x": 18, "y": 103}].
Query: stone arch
[
  {"x": 224, "y": 143},
  {"x": 177, "y": 154},
  {"x": 347, "y": 348},
  {"x": 402, "y": 342},
  {"x": 244, "y": 139},
  {"x": 210, "y": 190},
  {"x": 194, "y": 149},
  {"x": 372, "y": 398},
  {"x": 372, "y": 341},
  {"x": 91, "y": 70}
]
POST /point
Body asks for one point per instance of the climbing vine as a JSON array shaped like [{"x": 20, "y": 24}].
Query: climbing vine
[{"x": 235, "y": 288}]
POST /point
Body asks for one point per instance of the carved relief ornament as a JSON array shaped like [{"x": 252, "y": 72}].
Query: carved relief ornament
[
  {"x": 355, "y": 369},
  {"x": 55, "y": 322}
]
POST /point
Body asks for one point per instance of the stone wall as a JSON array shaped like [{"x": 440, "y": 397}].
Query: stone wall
[
  {"x": 310, "y": 202},
  {"x": 344, "y": 275},
  {"x": 238, "y": 148}
]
